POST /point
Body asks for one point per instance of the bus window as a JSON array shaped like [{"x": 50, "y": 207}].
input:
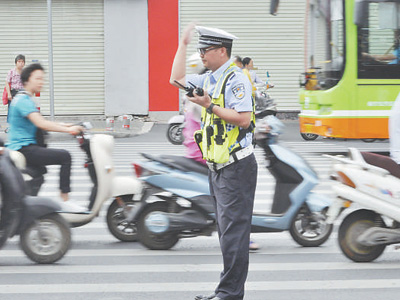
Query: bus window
[
  {"x": 324, "y": 49},
  {"x": 378, "y": 42}
]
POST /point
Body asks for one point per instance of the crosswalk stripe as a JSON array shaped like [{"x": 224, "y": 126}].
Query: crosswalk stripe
[
  {"x": 197, "y": 286},
  {"x": 82, "y": 194},
  {"x": 178, "y": 253},
  {"x": 182, "y": 268}
]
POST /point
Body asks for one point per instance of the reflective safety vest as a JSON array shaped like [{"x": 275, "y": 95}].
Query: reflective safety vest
[
  {"x": 254, "y": 89},
  {"x": 214, "y": 140}
]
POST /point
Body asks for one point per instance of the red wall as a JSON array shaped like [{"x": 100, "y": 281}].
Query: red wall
[{"x": 163, "y": 42}]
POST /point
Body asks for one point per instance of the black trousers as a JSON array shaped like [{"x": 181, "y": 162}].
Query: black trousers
[
  {"x": 37, "y": 157},
  {"x": 233, "y": 189}
]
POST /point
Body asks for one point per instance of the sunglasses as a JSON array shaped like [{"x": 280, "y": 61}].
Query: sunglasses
[{"x": 203, "y": 51}]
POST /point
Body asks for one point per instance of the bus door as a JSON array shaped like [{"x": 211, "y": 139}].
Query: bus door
[{"x": 378, "y": 65}]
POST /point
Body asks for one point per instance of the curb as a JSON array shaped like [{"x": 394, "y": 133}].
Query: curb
[
  {"x": 120, "y": 133},
  {"x": 139, "y": 128}
]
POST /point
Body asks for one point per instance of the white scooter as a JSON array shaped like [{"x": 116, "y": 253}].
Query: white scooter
[
  {"x": 176, "y": 124},
  {"x": 370, "y": 184},
  {"x": 99, "y": 162}
]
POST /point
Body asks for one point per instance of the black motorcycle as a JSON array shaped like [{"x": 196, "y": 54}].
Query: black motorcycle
[{"x": 45, "y": 236}]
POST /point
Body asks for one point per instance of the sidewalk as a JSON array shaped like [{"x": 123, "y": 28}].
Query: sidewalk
[{"x": 137, "y": 126}]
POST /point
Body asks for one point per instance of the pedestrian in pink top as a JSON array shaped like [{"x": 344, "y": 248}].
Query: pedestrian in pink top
[{"x": 13, "y": 80}]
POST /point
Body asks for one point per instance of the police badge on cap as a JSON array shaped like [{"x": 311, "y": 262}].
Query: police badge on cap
[{"x": 214, "y": 37}]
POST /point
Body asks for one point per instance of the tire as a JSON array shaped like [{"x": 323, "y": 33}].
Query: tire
[
  {"x": 116, "y": 220},
  {"x": 155, "y": 241},
  {"x": 175, "y": 133},
  {"x": 46, "y": 240},
  {"x": 308, "y": 231},
  {"x": 352, "y": 226},
  {"x": 309, "y": 136},
  {"x": 368, "y": 140}
]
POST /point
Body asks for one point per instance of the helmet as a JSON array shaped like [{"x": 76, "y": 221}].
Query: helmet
[{"x": 194, "y": 64}]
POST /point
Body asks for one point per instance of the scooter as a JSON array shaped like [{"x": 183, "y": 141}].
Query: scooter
[
  {"x": 176, "y": 124},
  {"x": 264, "y": 103},
  {"x": 45, "y": 236},
  {"x": 176, "y": 201},
  {"x": 98, "y": 149},
  {"x": 369, "y": 185}
]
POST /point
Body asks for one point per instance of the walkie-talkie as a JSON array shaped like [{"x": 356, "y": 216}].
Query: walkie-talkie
[{"x": 189, "y": 89}]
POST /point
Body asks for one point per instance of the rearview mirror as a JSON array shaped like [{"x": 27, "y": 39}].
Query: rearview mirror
[
  {"x": 361, "y": 13},
  {"x": 273, "y": 9}
]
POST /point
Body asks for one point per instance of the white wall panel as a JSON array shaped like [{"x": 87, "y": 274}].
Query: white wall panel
[
  {"x": 78, "y": 49},
  {"x": 276, "y": 43}
]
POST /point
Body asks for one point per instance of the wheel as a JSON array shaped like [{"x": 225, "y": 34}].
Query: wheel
[
  {"x": 309, "y": 136},
  {"x": 368, "y": 140},
  {"x": 175, "y": 134},
  {"x": 152, "y": 224},
  {"x": 310, "y": 229},
  {"x": 352, "y": 226},
  {"x": 116, "y": 220},
  {"x": 46, "y": 240}
]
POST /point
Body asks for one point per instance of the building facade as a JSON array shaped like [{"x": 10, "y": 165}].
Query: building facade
[{"x": 113, "y": 57}]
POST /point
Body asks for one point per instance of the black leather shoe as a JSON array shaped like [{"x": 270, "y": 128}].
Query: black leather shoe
[{"x": 210, "y": 297}]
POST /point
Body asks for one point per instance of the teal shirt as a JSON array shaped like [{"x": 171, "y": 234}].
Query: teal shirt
[{"x": 22, "y": 131}]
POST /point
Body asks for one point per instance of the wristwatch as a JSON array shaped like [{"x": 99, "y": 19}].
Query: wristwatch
[{"x": 210, "y": 108}]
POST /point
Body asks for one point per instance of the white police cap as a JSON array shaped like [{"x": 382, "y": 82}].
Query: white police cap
[{"x": 214, "y": 37}]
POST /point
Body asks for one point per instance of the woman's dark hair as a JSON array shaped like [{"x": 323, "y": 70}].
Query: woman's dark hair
[
  {"x": 28, "y": 70},
  {"x": 19, "y": 56},
  {"x": 238, "y": 59},
  {"x": 246, "y": 61}
]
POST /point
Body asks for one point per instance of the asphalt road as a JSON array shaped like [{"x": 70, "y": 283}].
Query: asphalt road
[{"x": 100, "y": 267}]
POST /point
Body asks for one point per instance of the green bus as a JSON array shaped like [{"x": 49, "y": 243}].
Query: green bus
[{"x": 352, "y": 68}]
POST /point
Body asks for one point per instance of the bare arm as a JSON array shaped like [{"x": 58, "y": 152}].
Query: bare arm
[
  {"x": 40, "y": 122},
  {"x": 178, "y": 71},
  {"x": 241, "y": 119},
  {"x": 381, "y": 57}
]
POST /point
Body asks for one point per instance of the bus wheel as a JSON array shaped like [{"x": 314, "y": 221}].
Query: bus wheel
[
  {"x": 368, "y": 140},
  {"x": 309, "y": 136}
]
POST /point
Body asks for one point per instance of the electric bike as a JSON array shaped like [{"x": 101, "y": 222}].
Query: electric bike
[
  {"x": 366, "y": 185},
  {"x": 176, "y": 201},
  {"x": 45, "y": 236},
  {"x": 99, "y": 163}
]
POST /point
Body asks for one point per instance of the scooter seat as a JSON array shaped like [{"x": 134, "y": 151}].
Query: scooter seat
[
  {"x": 383, "y": 162},
  {"x": 187, "y": 163}
]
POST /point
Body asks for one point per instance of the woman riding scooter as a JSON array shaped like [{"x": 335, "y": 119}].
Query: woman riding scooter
[{"x": 26, "y": 130}]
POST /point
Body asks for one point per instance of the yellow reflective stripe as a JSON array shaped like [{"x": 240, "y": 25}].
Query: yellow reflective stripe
[{"x": 219, "y": 152}]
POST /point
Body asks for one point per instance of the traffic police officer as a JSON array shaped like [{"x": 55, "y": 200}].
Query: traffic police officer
[{"x": 226, "y": 144}]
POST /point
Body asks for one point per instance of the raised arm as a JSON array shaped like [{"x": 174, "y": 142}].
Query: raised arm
[{"x": 178, "y": 71}]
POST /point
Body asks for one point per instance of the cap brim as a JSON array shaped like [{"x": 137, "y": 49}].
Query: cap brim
[{"x": 201, "y": 45}]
